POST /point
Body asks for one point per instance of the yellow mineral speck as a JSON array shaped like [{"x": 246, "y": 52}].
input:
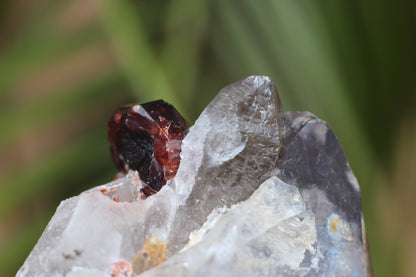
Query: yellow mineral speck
[
  {"x": 153, "y": 253},
  {"x": 333, "y": 223},
  {"x": 304, "y": 120},
  {"x": 297, "y": 198},
  {"x": 339, "y": 228}
]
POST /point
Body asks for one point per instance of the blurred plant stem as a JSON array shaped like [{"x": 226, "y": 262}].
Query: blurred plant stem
[{"x": 66, "y": 65}]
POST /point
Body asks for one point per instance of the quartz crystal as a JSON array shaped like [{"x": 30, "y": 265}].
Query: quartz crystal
[{"x": 258, "y": 192}]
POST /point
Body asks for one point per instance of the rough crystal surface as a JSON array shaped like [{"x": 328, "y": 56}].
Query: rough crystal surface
[
  {"x": 147, "y": 138},
  {"x": 258, "y": 193}
]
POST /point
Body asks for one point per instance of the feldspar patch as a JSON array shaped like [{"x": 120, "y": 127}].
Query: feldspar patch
[{"x": 258, "y": 192}]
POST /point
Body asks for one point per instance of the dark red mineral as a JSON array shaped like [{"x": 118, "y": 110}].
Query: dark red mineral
[{"x": 147, "y": 138}]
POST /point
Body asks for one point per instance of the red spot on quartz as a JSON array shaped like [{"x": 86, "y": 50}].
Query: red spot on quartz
[
  {"x": 104, "y": 191},
  {"x": 121, "y": 269},
  {"x": 119, "y": 175},
  {"x": 116, "y": 198},
  {"x": 148, "y": 138}
]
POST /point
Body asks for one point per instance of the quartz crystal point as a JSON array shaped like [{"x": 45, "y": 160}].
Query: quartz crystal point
[{"x": 258, "y": 192}]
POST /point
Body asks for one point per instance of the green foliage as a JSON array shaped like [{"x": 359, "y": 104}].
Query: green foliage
[{"x": 65, "y": 66}]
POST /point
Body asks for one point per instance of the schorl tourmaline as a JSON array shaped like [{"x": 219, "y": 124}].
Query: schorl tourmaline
[{"x": 147, "y": 138}]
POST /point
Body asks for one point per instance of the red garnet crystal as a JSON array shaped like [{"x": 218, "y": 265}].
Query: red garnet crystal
[{"x": 147, "y": 138}]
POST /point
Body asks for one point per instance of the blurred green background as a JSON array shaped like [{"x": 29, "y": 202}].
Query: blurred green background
[{"x": 66, "y": 65}]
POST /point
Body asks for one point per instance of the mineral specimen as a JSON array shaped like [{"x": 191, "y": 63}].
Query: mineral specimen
[
  {"x": 147, "y": 138},
  {"x": 258, "y": 192}
]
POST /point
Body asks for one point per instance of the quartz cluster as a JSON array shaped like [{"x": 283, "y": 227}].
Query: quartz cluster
[{"x": 258, "y": 192}]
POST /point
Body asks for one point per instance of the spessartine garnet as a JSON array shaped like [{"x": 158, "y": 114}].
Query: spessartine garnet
[{"x": 147, "y": 138}]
